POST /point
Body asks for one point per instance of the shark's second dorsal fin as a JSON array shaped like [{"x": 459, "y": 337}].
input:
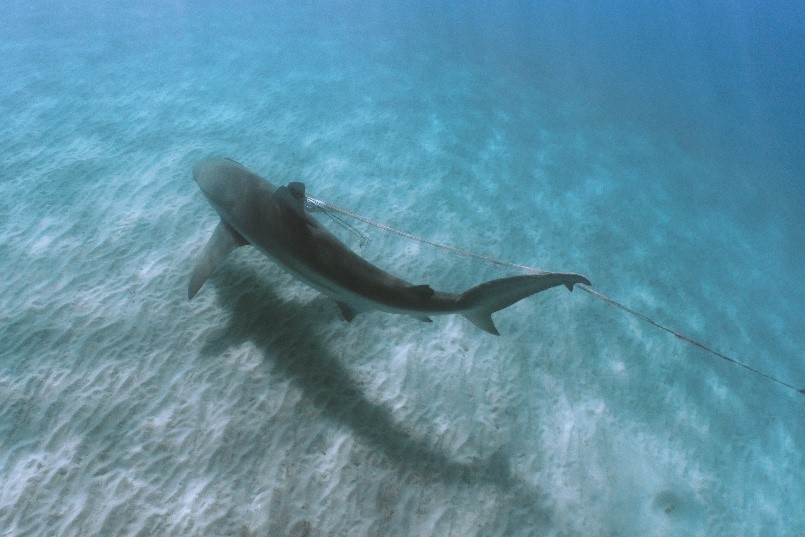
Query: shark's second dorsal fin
[{"x": 422, "y": 291}]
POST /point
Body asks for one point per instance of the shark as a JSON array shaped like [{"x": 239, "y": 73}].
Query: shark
[{"x": 274, "y": 219}]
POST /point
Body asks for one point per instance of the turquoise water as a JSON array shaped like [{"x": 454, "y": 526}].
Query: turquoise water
[{"x": 657, "y": 151}]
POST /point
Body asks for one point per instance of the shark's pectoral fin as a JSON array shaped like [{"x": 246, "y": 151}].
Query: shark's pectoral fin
[
  {"x": 224, "y": 239},
  {"x": 423, "y": 318},
  {"x": 347, "y": 311}
]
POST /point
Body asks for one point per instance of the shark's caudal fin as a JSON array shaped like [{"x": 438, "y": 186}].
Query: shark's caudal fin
[
  {"x": 224, "y": 239},
  {"x": 484, "y": 300}
]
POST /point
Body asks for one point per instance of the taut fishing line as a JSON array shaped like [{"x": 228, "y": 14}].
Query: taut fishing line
[{"x": 330, "y": 208}]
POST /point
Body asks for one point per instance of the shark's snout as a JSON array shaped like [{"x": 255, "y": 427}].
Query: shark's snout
[
  {"x": 214, "y": 178},
  {"x": 204, "y": 171}
]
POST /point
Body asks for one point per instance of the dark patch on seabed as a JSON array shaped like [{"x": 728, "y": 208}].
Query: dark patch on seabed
[{"x": 316, "y": 370}]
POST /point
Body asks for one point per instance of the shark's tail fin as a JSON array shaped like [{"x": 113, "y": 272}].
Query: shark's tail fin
[{"x": 485, "y": 299}]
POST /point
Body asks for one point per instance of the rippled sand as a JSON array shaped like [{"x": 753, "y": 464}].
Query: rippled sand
[{"x": 256, "y": 410}]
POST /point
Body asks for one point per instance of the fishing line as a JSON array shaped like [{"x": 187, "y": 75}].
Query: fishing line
[
  {"x": 493, "y": 261},
  {"x": 313, "y": 204}
]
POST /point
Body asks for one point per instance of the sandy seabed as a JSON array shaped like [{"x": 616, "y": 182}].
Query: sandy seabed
[{"x": 255, "y": 409}]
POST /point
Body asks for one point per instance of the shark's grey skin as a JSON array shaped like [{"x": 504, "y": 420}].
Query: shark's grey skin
[{"x": 274, "y": 220}]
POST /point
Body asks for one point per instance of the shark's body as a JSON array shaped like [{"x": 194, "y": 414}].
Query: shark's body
[{"x": 274, "y": 220}]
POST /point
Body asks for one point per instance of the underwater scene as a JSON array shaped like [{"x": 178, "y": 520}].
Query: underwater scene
[{"x": 655, "y": 149}]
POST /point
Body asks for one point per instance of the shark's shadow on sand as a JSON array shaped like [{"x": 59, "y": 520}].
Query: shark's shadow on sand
[{"x": 278, "y": 329}]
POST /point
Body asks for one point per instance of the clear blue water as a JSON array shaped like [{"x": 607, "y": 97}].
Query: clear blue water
[{"x": 656, "y": 150}]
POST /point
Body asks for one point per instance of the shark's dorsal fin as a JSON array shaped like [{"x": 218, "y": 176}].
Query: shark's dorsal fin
[
  {"x": 297, "y": 190},
  {"x": 224, "y": 239},
  {"x": 423, "y": 291},
  {"x": 292, "y": 196}
]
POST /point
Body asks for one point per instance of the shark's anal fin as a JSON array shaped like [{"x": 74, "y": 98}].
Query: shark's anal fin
[
  {"x": 224, "y": 239},
  {"x": 483, "y": 320},
  {"x": 347, "y": 311}
]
